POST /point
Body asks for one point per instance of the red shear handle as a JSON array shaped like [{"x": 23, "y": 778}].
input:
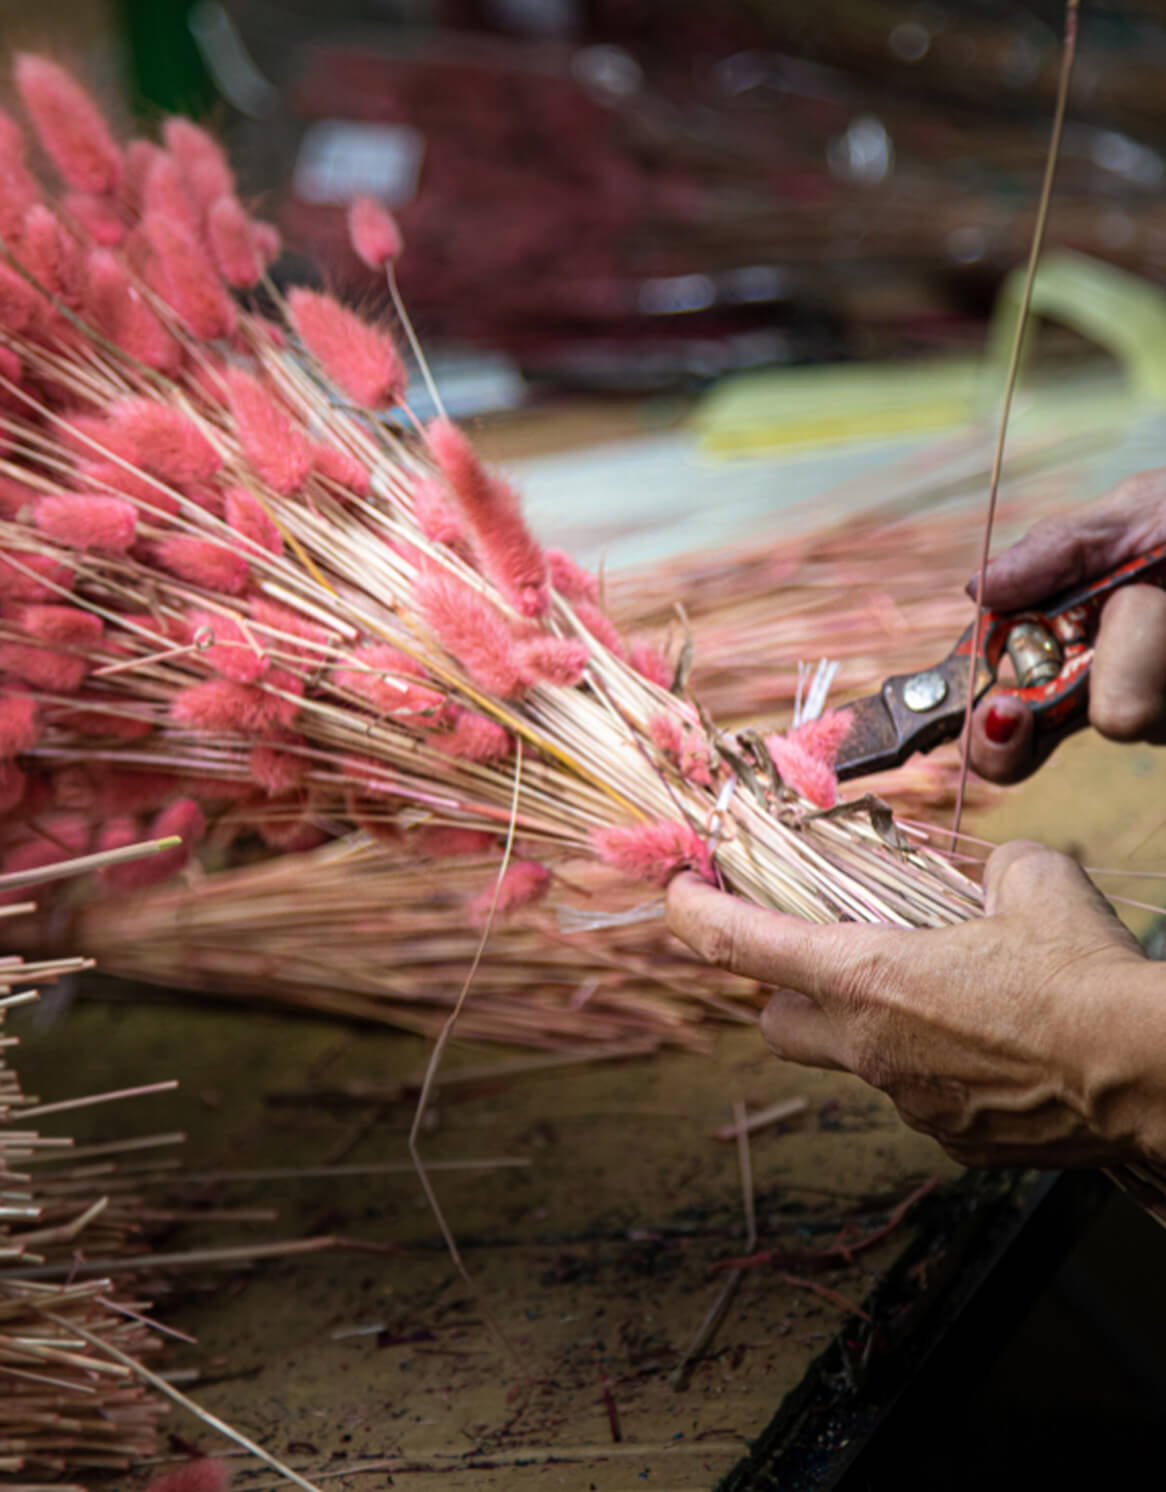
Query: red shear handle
[{"x": 1051, "y": 648}]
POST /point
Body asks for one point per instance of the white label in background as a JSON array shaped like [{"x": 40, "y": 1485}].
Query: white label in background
[{"x": 339, "y": 160}]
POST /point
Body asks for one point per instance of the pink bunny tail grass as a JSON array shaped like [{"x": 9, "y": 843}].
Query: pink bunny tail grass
[
  {"x": 106, "y": 475},
  {"x": 164, "y": 194},
  {"x": 18, "y": 188},
  {"x": 572, "y": 581},
  {"x": 226, "y": 707},
  {"x": 233, "y": 655},
  {"x": 449, "y": 843},
  {"x": 652, "y": 664},
  {"x": 435, "y": 514},
  {"x": 267, "y": 241},
  {"x": 667, "y": 734},
  {"x": 99, "y": 218},
  {"x": 18, "y": 301},
  {"x": 201, "y": 160},
  {"x": 51, "y": 254},
  {"x": 232, "y": 244},
  {"x": 552, "y": 660},
  {"x": 473, "y": 631},
  {"x": 188, "y": 281},
  {"x": 601, "y": 627},
  {"x": 163, "y": 441},
  {"x": 335, "y": 465},
  {"x": 15, "y": 499},
  {"x": 18, "y": 725},
  {"x": 277, "y": 772},
  {"x": 276, "y": 447},
  {"x": 12, "y": 785},
  {"x": 66, "y": 633},
  {"x": 805, "y": 757},
  {"x": 507, "y": 550},
  {"x": 653, "y": 852},
  {"x": 83, "y": 522},
  {"x": 475, "y": 738},
  {"x": 120, "y": 310},
  {"x": 204, "y": 563},
  {"x": 373, "y": 233},
  {"x": 203, "y": 1475},
  {"x": 251, "y": 521},
  {"x": 16, "y": 584},
  {"x": 388, "y": 680},
  {"x": 69, "y": 125},
  {"x": 524, "y": 884},
  {"x": 359, "y": 359}
]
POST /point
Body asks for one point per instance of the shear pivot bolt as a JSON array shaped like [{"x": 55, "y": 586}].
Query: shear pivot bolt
[{"x": 924, "y": 691}]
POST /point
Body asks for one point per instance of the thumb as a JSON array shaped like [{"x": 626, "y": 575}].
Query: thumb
[{"x": 1000, "y": 747}]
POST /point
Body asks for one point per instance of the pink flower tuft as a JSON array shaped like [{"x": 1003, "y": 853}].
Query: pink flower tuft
[
  {"x": 18, "y": 584},
  {"x": 435, "y": 514},
  {"x": 120, "y": 310},
  {"x": 267, "y": 241},
  {"x": 251, "y": 521},
  {"x": 553, "y": 660},
  {"x": 204, "y": 563},
  {"x": 335, "y": 465},
  {"x": 232, "y": 653},
  {"x": 686, "y": 747},
  {"x": 18, "y": 301},
  {"x": 12, "y": 785},
  {"x": 359, "y": 359},
  {"x": 233, "y": 243},
  {"x": 275, "y": 445},
  {"x": 201, "y": 160},
  {"x": 164, "y": 441},
  {"x": 805, "y": 757},
  {"x": 117, "y": 834},
  {"x": 99, "y": 218},
  {"x": 282, "y": 619},
  {"x": 15, "y": 499},
  {"x": 33, "y": 854},
  {"x": 10, "y": 369},
  {"x": 138, "y": 157},
  {"x": 184, "y": 818},
  {"x": 131, "y": 484},
  {"x": 188, "y": 281},
  {"x": 571, "y": 580},
  {"x": 51, "y": 254},
  {"x": 473, "y": 631},
  {"x": 667, "y": 733},
  {"x": 18, "y": 188},
  {"x": 136, "y": 792},
  {"x": 164, "y": 194},
  {"x": 60, "y": 666},
  {"x": 393, "y": 687},
  {"x": 601, "y": 627},
  {"x": 525, "y": 883},
  {"x": 654, "y": 852},
  {"x": 222, "y": 705},
  {"x": 70, "y": 125},
  {"x": 442, "y": 843},
  {"x": 373, "y": 232},
  {"x": 474, "y": 738},
  {"x": 84, "y": 522},
  {"x": 18, "y": 725},
  {"x": 508, "y": 551},
  {"x": 651, "y": 664},
  {"x": 277, "y": 772}
]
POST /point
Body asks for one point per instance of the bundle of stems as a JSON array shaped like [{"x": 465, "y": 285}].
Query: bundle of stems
[
  {"x": 65, "y": 1407},
  {"x": 235, "y": 585}
]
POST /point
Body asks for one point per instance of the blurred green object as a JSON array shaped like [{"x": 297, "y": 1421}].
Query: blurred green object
[{"x": 165, "y": 68}]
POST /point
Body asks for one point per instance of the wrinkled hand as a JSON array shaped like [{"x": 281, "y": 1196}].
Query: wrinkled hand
[
  {"x": 1127, "y": 685},
  {"x": 1035, "y": 1035}
]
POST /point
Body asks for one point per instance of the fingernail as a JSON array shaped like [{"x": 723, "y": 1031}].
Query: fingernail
[{"x": 1000, "y": 725}]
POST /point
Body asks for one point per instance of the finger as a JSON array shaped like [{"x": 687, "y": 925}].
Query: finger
[
  {"x": 759, "y": 944},
  {"x": 1127, "y": 680},
  {"x": 1025, "y": 878},
  {"x": 797, "y": 1030},
  {"x": 1060, "y": 552},
  {"x": 1001, "y": 744}
]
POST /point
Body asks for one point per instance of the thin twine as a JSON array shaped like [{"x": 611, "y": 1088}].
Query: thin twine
[{"x": 1068, "y": 53}]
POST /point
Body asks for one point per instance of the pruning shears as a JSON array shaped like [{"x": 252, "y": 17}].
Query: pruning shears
[{"x": 1050, "y": 649}]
